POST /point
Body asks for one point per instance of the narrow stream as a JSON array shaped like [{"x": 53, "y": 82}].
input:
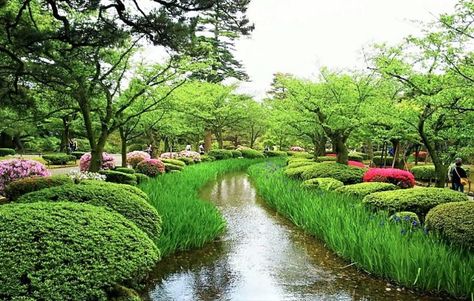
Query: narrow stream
[{"x": 262, "y": 256}]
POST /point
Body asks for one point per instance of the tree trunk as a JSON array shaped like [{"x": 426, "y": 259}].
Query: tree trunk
[
  {"x": 440, "y": 168},
  {"x": 66, "y": 136},
  {"x": 342, "y": 153},
  {"x": 123, "y": 140},
  {"x": 396, "y": 148},
  {"x": 207, "y": 141},
  {"x": 220, "y": 139},
  {"x": 96, "y": 152}
]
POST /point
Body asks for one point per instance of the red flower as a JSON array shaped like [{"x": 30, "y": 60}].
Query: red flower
[{"x": 401, "y": 178}]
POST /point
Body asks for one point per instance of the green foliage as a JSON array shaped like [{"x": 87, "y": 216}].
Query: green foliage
[
  {"x": 356, "y": 157},
  {"x": 67, "y": 251},
  {"x": 125, "y": 170},
  {"x": 59, "y": 159},
  {"x": 326, "y": 159},
  {"x": 387, "y": 161},
  {"x": 407, "y": 218},
  {"x": 170, "y": 167},
  {"x": 367, "y": 239},
  {"x": 454, "y": 221},
  {"x": 344, "y": 173},
  {"x": 294, "y": 164},
  {"x": 236, "y": 153},
  {"x": 130, "y": 205},
  {"x": 174, "y": 162},
  {"x": 131, "y": 189},
  {"x": 418, "y": 200},
  {"x": 115, "y": 176},
  {"x": 424, "y": 172},
  {"x": 297, "y": 172},
  {"x": 78, "y": 154},
  {"x": 276, "y": 154},
  {"x": 22, "y": 186},
  {"x": 362, "y": 189},
  {"x": 252, "y": 154},
  {"x": 187, "y": 161},
  {"x": 221, "y": 154},
  {"x": 300, "y": 155},
  {"x": 207, "y": 158},
  {"x": 141, "y": 178},
  {"x": 327, "y": 184},
  {"x": 7, "y": 152}
]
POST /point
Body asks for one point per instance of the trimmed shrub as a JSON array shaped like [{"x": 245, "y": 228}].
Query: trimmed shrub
[
  {"x": 125, "y": 170},
  {"x": 77, "y": 154},
  {"x": 300, "y": 155},
  {"x": 132, "y": 189},
  {"x": 174, "y": 162},
  {"x": 297, "y": 172},
  {"x": 151, "y": 167},
  {"x": 399, "y": 177},
  {"x": 221, "y": 154},
  {"x": 169, "y": 167},
  {"x": 387, "y": 161},
  {"x": 59, "y": 159},
  {"x": 187, "y": 161},
  {"x": 119, "y": 177},
  {"x": 207, "y": 158},
  {"x": 252, "y": 154},
  {"x": 135, "y": 157},
  {"x": 67, "y": 251},
  {"x": 23, "y": 186},
  {"x": 326, "y": 159},
  {"x": 406, "y": 218},
  {"x": 344, "y": 173},
  {"x": 301, "y": 163},
  {"x": 7, "y": 152},
  {"x": 129, "y": 204},
  {"x": 141, "y": 178},
  {"x": 356, "y": 157},
  {"x": 15, "y": 169},
  {"x": 454, "y": 222},
  {"x": 363, "y": 189},
  {"x": 418, "y": 200},
  {"x": 276, "y": 154},
  {"x": 323, "y": 184},
  {"x": 236, "y": 153},
  {"x": 108, "y": 161},
  {"x": 424, "y": 172}
]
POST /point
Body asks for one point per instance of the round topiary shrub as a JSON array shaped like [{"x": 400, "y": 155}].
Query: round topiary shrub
[
  {"x": 454, "y": 222},
  {"x": 108, "y": 161},
  {"x": 116, "y": 198},
  {"x": 135, "y": 157},
  {"x": 7, "y": 152},
  {"x": 170, "y": 167},
  {"x": 276, "y": 154},
  {"x": 406, "y": 218},
  {"x": 252, "y": 154},
  {"x": 297, "y": 172},
  {"x": 141, "y": 178},
  {"x": 300, "y": 155},
  {"x": 119, "y": 177},
  {"x": 15, "y": 169},
  {"x": 294, "y": 164},
  {"x": 207, "y": 158},
  {"x": 424, "y": 172},
  {"x": 59, "y": 159},
  {"x": 418, "y": 200},
  {"x": 174, "y": 162},
  {"x": 187, "y": 161},
  {"x": 327, "y": 159},
  {"x": 151, "y": 167},
  {"x": 132, "y": 189},
  {"x": 322, "y": 183},
  {"x": 363, "y": 189},
  {"x": 67, "y": 251},
  {"x": 221, "y": 154},
  {"x": 236, "y": 153},
  {"x": 344, "y": 173},
  {"x": 23, "y": 186},
  {"x": 125, "y": 170},
  {"x": 401, "y": 178}
]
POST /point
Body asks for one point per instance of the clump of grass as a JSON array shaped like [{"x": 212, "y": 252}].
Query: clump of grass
[
  {"x": 412, "y": 258},
  {"x": 189, "y": 222}
]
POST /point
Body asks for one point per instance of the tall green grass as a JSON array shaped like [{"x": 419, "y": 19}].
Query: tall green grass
[
  {"x": 189, "y": 222},
  {"x": 413, "y": 259}
]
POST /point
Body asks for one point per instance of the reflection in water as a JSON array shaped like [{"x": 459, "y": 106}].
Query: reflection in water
[{"x": 262, "y": 257}]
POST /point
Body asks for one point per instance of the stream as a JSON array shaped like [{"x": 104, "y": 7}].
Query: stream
[{"x": 262, "y": 256}]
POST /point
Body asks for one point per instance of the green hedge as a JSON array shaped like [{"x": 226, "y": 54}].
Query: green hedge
[
  {"x": 322, "y": 183},
  {"x": 424, "y": 172},
  {"x": 418, "y": 200},
  {"x": 297, "y": 172},
  {"x": 300, "y": 154},
  {"x": 67, "y": 251},
  {"x": 7, "y": 152},
  {"x": 221, "y": 154},
  {"x": 236, "y": 153},
  {"x": 252, "y": 154},
  {"x": 406, "y": 218},
  {"x": 141, "y": 178},
  {"x": 23, "y": 186},
  {"x": 276, "y": 154},
  {"x": 344, "y": 173},
  {"x": 356, "y": 157},
  {"x": 130, "y": 205},
  {"x": 77, "y": 154},
  {"x": 115, "y": 176},
  {"x": 362, "y": 189},
  {"x": 125, "y": 170},
  {"x": 388, "y": 162},
  {"x": 454, "y": 221},
  {"x": 170, "y": 167},
  {"x": 326, "y": 159},
  {"x": 301, "y": 163},
  {"x": 174, "y": 162},
  {"x": 59, "y": 159},
  {"x": 131, "y": 189},
  {"x": 186, "y": 160},
  {"x": 207, "y": 158}
]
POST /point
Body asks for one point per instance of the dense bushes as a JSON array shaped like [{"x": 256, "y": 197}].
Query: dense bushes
[
  {"x": 322, "y": 183},
  {"x": 406, "y": 218},
  {"x": 59, "y": 159},
  {"x": 135, "y": 157},
  {"x": 129, "y": 204},
  {"x": 297, "y": 172},
  {"x": 141, "y": 178},
  {"x": 77, "y": 154},
  {"x": 119, "y": 177},
  {"x": 20, "y": 187},
  {"x": 174, "y": 162},
  {"x": 294, "y": 164},
  {"x": 300, "y": 155},
  {"x": 341, "y": 172},
  {"x": 151, "y": 167},
  {"x": 363, "y": 189},
  {"x": 221, "y": 154},
  {"x": 401, "y": 178},
  {"x": 454, "y": 221},
  {"x": 424, "y": 172},
  {"x": 386, "y": 161},
  {"x": 7, "y": 152},
  {"x": 131, "y": 189},
  {"x": 125, "y": 170},
  {"x": 236, "y": 153},
  {"x": 326, "y": 159},
  {"x": 207, "y": 158},
  {"x": 251, "y": 154},
  {"x": 419, "y": 200},
  {"x": 67, "y": 251},
  {"x": 276, "y": 154},
  {"x": 187, "y": 161},
  {"x": 14, "y": 169},
  {"x": 356, "y": 157},
  {"x": 171, "y": 167},
  {"x": 108, "y": 161}
]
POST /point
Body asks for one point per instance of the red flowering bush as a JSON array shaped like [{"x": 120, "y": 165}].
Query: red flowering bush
[
  {"x": 331, "y": 155},
  {"x": 356, "y": 164},
  {"x": 401, "y": 178},
  {"x": 151, "y": 167},
  {"x": 421, "y": 155}
]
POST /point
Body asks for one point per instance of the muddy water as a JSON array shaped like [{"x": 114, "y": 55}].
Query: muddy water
[{"x": 262, "y": 257}]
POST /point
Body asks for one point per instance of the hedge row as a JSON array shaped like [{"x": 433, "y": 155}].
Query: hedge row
[{"x": 59, "y": 159}]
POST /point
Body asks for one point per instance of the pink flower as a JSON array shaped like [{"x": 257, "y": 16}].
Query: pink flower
[
  {"x": 151, "y": 167},
  {"x": 401, "y": 178},
  {"x": 108, "y": 161},
  {"x": 14, "y": 169},
  {"x": 135, "y": 157}
]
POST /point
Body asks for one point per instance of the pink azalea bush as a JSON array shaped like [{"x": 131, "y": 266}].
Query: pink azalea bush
[
  {"x": 169, "y": 155},
  {"x": 190, "y": 154},
  {"x": 151, "y": 167},
  {"x": 108, "y": 161},
  {"x": 135, "y": 157},
  {"x": 14, "y": 169},
  {"x": 296, "y": 149},
  {"x": 356, "y": 164},
  {"x": 399, "y": 177}
]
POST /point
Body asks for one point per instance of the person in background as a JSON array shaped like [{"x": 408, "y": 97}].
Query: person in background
[
  {"x": 458, "y": 176},
  {"x": 149, "y": 150},
  {"x": 188, "y": 147},
  {"x": 201, "y": 149}
]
